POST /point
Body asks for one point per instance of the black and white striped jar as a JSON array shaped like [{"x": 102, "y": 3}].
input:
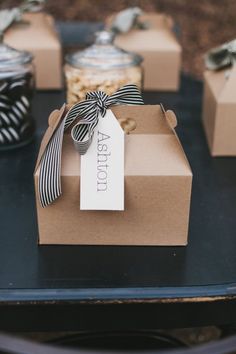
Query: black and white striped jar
[{"x": 16, "y": 91}]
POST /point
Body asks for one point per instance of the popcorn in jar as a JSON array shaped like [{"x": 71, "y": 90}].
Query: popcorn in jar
[{"x": 101, "y": 67}]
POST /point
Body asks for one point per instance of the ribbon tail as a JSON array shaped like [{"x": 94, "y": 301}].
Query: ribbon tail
[{"x": 50, "y": 169}]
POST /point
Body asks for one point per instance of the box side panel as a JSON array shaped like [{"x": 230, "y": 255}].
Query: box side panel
[
  {"x": 156, "y": 213},
  {"x": 225, "y": 130},
  {"x": 209, "y": 114},
  {"x": 161, "y": 70},
  {"x": 161, "y": 53},
  {"x": 48, "y": 66}
]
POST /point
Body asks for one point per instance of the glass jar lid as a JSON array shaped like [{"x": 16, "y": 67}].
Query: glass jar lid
[
  {"x": 10, "y": 57},
  {"x": 103, "y": 54}
]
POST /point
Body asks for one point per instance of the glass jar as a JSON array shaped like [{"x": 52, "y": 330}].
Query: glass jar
[
  {"x": 16, "y": 90},
  {"x": 101, "y": 67}
]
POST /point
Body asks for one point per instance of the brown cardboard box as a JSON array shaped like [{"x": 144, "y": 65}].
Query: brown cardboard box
[
  {"x": 160, "y": 50},
  {"x": 158, "y": 183},
  {"x": 40, "y": 38},
  {"x": 219, "y": 111}
]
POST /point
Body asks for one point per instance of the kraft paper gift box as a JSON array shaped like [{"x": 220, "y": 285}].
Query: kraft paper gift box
[
  {"x": 37, "y": 35},
  {"x": 160, "y": 49},
  {"x": 158, "y": 183},
  {"x": 219, "y": 111}
]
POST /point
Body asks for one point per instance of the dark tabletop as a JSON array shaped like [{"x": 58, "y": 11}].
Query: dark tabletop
[{"x": 203, "y": 271}]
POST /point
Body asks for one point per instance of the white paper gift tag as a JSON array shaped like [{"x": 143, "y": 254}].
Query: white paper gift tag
[{"x": 102, "y": 167}]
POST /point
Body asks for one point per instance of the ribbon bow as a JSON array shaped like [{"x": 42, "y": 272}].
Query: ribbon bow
[
  {"x": 131, "y": 18},
  {"x": 88, "y": 112},
  {"x": 127, "y": 19},
  {"x": 10, "y": 16},
  {"x": 222, "y": 56}
]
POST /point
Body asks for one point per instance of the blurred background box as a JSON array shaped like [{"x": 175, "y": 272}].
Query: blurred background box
[
  {"x": 160, "y": 49},
  {"x": 38, "y": 36},
  {"x": 219, "y": 111}
]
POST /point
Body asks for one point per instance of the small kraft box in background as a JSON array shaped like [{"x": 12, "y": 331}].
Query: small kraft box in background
[
  {"x": 159, "y": 48},
  {"x": 37, "y": 35},
  {"x": 158, "y": 182},
  {"x": 219, "y": 111}
]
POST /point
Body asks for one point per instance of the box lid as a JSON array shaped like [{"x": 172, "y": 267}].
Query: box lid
[
  {"x": 222, "y": 84},
  {"x": 158, "y": 37},
  {"x": 153, "y": 149},
  {"x": 40, "y": 33}
]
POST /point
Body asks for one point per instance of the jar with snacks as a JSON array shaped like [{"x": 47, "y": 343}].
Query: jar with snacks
[
  {"x": 101, "y": 67},
  {"x": 16, "y": 90}
]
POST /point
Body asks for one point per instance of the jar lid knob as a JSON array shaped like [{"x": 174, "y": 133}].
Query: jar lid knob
[{"x": 104, "y": 37}]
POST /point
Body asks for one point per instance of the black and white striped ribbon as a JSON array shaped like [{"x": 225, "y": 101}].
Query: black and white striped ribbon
[{"x": 88, "y": 113}]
